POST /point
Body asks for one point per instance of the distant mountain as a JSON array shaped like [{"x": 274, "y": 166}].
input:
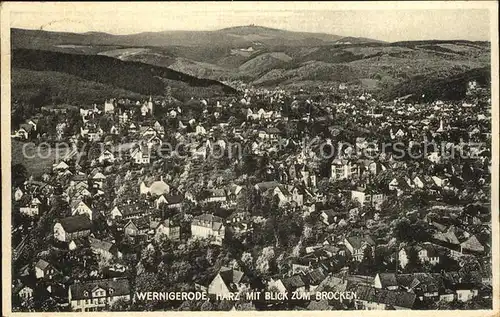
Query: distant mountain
[
  {"x": 240, "y": 37},
  {"x": 264, "y": 56}
]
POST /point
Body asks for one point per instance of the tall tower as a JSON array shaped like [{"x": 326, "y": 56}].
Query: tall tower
[{"x": 150, "y": 105}]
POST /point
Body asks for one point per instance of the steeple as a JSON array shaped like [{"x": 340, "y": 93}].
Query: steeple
[{"x": 150, "y": 105}]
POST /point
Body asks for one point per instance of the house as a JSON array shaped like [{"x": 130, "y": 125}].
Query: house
[
  {"x": 297, "y": 194},
  {"x": 170, "y": 201},
  {"x": 169, "y": 229},
  {"x": 95, "y": 134},
  {"x": 273, "y": 189},
  {"x": 109, "y": 106},
  {"x": 24, "y": 131},
  {"x": 139, "y": 156},
  {"x": 357, "y": 245},
  {"x": 208, "y": 226},
  {"x": 30, "y": 207},
  {"x": 233, "y": 191},
  {"x": 329, "y": 216},
  {"x": 386, "y": 281},
  {"x": 136, "y": 227},
  {"x": 156, "y": 188},
  {"x": 114, "y": 130},
  {"x": 61, "y": 166},
  {"x": 368, "y": 197},
  {"x": 239, "y": 222},
  {"x": 18, "y": 194},
  {"x": 25, "y": 293},
  {"x": 152, "y": 141},
  {"x": 106, "y": 156},
  {"x": 400, "y": 185},
  {"x": 371, "y": 298},
  {"x": 104, "y": 249},
  {"x": 215, "y": 195},
  {"x": 78, "y": 207},
  {"x": 375, "y": 168},
  {"x": 98, "y": 180},
  {"x": 45, "y": 270},
  {"x": 227, "y": 281},
  {"x": 134, "y": 211},
  {"x": 272, "y": 133},
  {"x": 98, "y": 295},
  {"x": 294, "y": 283},
  {"x": 132, "y": 128},
  {"x": 343, "y": 169},
  {"x": 313, "y": 278},
  {"x": 115, "y": 213},
  {"x": 471, "y": 245},
  {"x": 427, "y": 253},
  {"x": 446, "y": 239},
  {"x": 73, "y": 227}
]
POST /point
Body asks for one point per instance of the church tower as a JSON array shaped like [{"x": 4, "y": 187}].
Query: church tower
[{"x": 150, "y": 105}]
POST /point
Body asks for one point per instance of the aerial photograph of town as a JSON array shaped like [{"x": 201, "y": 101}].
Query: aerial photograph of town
[{"x": 250, "y": 160}]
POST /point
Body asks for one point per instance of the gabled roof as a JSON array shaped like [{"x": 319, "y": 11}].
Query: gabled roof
[
  {"x": 207, "y": 220},
  {"x": 264, "y": 186},
  {"x": 42, "y": 264},
  {"x": 293, "y": 282},
  {"x": 113, "y": 287},
  {"x": 230, "y": 276},
  {"x": 472, "y": 244},
  {"x": 448, "y": 237},
  {"x": 100, "y": 244},
  {"x": 99, "y": 175},
  {"x": 314, "y": 277},
  {"x": 388, "y": 279},
  {"x": 357, "y": 241},
  {"x": 174, "y": 199},
  {"x": 76, "y": 223},
  {"x": 387, "y": 297}
]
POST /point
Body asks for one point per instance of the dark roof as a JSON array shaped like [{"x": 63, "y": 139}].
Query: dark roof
[
  {"x": 421, "y": 282},
  {"x": 387, "y": 297},
  {"x": 293, "y": 282},
  {"x": 230, "y": 276},
  {"x": 388, "y": 279},
  {"x": 356, "y": 241},
  {"x": 132, "y": 209},
  {"x": 174, "y": 199},
  {"x": 315, "y": 277},
  {"x": 76, "y": 223},
  {"x": 207, "y": 220},
  {"x": 120, "y": 287}
]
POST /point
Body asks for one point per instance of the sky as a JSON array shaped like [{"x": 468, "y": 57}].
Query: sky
[{"x": 388, "y": 21}]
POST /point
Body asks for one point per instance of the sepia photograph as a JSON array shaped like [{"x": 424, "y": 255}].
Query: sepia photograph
[{"x": 249, "y": 156}]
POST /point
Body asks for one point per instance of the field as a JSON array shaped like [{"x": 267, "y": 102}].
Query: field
[
  {"x": 36, "y": 159},
  {"x": 28, "y": 84}
]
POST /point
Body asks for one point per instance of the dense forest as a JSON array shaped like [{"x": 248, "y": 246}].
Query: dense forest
[
  {"x": 424, "y": 88},
  {"x": 132, "y": 76}
]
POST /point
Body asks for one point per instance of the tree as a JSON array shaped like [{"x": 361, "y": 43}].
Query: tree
[
  {"x": 263, "y": 261},
  {"x": 414, "y": 263},
  {"x": 405, "y": 231},
  {"x": 18, "y": 174},
  {"x": 120, "y": 305},
  {"x": 367, "y": 263}
]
